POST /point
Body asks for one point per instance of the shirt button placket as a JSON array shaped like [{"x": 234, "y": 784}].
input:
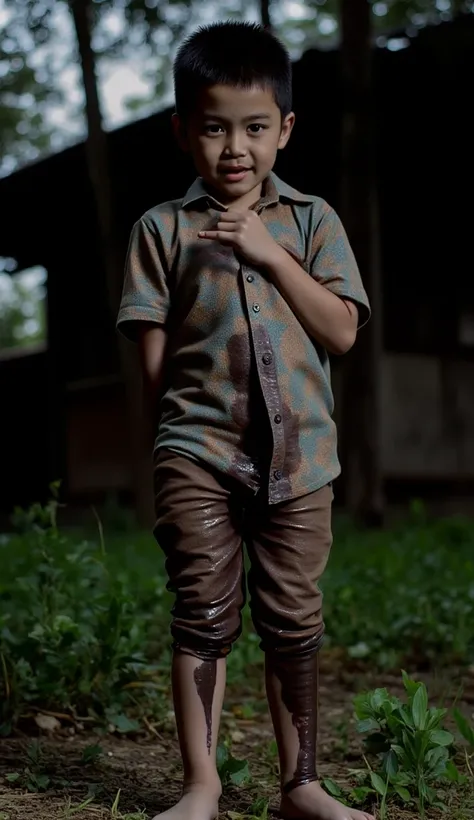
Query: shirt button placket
[{"x": 267, "y": 359}]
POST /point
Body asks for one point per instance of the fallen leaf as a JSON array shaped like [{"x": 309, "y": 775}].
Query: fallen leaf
[
  {"x": 47, "y": 723},
  {"x": 237, "y": 736}
]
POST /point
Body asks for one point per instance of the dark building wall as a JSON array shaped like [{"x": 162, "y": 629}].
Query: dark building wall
[{"x": 425, "y": 176}]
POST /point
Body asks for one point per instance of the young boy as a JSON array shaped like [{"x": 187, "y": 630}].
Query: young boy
[{"x": 235, "y": 293}]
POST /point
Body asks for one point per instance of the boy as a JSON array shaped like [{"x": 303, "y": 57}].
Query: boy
[{"x": 235, "y": 294}]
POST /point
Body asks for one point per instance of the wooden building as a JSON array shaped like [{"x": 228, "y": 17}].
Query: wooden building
[{"x": 63, "y": 408}]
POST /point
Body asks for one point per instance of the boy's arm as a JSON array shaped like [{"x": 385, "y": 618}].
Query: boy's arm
[
  {"x": 144, "y": 312},
  {"x": 152, "y": 341},
  {"x": 330, "y": 301},
  {"x": 329, "y": 319}
]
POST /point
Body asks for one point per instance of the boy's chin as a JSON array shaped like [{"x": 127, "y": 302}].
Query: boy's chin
[{"x": 234, "y": 189}]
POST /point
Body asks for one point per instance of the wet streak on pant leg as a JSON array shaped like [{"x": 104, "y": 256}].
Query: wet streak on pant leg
[
  {"x": 299, "y": 692},
  {"x": 205, "y": 680}
]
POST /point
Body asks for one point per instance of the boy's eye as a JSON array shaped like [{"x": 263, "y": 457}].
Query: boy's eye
[
  {"x": 256, "y": 127},
  {"x": 213, "y": 128}
]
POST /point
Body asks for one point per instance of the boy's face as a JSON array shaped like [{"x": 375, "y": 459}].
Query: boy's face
[{"x": 234, "y": 135}]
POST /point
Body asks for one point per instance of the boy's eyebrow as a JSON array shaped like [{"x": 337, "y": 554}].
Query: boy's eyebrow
[{"x": 261, "y": 116}]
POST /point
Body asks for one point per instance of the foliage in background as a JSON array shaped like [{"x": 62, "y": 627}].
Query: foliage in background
[
  {"x": 22, "y": 309},
  {"x": 25, "y": 95},
  {"x": 84, "y": 624},
  {"x": 411, "y": 757},
  {"x": 40, "y": 94},
  {"x": 84, "y": 635}
]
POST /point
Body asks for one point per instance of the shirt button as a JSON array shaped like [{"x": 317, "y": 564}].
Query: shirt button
[
  {"x": 278, "y": 475},
  {"x": 277, "y": 419},
  {"x": 267, "y": 358},
  {"x": 256, "y": 308},
  {"x": 250, "y": 278}
]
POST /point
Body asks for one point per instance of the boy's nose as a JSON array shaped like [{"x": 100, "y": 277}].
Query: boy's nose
[{"x": 235, "y": 145}]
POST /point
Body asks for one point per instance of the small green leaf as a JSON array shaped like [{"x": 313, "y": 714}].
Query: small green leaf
[
  {"x": 222, "y": 755},
  {"x": 438, "y": 804},
  {"x": 453, "y": 774},
  {"x": 362, "y": 706},
  {"x": 259, "y": 808},
  {"x": 378, "y": 783},
  {"x": 359, "y": 794},
  {"x": 12, "y": 778},
  {"x": 38, "y": 782},
  {"x": 435, "y": 716},
  {"x": 122, "y": 723},
  {"x": 464, "y": 727},
  {"x": 238, "y": 771},
  {"x": 367, "y": 725},
  {"x": 411, "y": 686},
  {"x": 332, "y": 787},
  {"x": 436, "y": 761},
  {"x": 390, "y": 764},
  {"x": 403, "y": 793},
  {"x": 91, "y": 754},
  {"x": 377, "y": 698},
  {"x": 441, "y": 738},
  {"x": 419, "y": 707},
  {"x": 404, "y": 779}
]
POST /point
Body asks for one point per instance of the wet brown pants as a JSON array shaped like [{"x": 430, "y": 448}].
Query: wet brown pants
[{"x": 202, "y": 520}]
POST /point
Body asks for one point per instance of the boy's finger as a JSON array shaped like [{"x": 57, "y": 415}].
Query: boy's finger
[
  {"x": 219, "y": 236},
  {"x": 225, "y": 226},
  {"x": 230, "y": 216}
]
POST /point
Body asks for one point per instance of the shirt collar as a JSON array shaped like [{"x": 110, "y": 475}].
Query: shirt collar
[{"x": 274, "y": 190}]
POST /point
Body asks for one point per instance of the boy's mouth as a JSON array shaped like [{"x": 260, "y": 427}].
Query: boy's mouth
[{"x": 235, "y": 174}]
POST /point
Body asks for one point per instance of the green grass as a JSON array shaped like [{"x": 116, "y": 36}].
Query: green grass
[{"x": 84, "y": 623}]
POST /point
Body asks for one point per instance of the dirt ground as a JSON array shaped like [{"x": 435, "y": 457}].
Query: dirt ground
[{"x": 146, "y": 770}]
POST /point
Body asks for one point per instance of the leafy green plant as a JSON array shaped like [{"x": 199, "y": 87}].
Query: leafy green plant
[
  {"x": 34, "y": 777},
  {"x": 359, "y": 795},
  {"x": 403, "y": 622},
  {"x": 69, "y": 632},
  {"x": 232, "y": 772},
  {"x": 84, "y": 621},
  {"x": 467, "y": 732},
  {"x": 91, "y": 754},
  {"x": 412, "y": 748},
  {"x": 257, "y": 811},
  {"x": 116, "y": 814}
]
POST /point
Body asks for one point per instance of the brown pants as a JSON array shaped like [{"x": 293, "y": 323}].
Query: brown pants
[{"x": 202, "y": 520}]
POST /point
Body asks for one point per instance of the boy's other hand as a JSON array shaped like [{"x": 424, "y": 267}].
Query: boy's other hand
[{"x": 245, "y": 232}]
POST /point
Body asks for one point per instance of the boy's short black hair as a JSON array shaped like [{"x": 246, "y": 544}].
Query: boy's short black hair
[{"x": 240, "y": 54}]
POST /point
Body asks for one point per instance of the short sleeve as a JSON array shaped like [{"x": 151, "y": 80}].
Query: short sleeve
[
  {"x": 145, "y": 296},
  {"x": 333, "y": 264}
]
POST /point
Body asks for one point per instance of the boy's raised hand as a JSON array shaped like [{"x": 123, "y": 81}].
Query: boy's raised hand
[{"x": 245, "y": 232}]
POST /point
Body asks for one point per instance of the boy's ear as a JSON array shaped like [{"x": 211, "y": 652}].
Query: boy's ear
[
  {"x": 180, "y": 132},
  {"x": 286, "y": 129}
]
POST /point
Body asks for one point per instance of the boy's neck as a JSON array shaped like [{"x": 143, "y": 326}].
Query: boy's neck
[{"x": 245, "y": 202}]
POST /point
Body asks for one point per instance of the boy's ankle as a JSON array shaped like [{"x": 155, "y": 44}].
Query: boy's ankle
[{"x": 209, "y": 782}]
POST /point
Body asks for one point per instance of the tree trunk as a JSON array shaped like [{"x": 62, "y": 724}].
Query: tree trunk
[
  {"x": 361, "y": 412},
  {"x": 98, "y": 168},
  {"x": 265, "y": 17}
]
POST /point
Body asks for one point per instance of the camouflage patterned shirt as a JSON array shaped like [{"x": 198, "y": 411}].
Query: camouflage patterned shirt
[{"x": 248, "y": 392}]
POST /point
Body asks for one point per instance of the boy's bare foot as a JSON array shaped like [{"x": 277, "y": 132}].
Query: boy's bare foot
[
  {"x": 311, "y": 802},
  {"x": 197, "y": 803}
]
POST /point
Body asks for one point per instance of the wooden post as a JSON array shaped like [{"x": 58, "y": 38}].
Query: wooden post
[
  {"x": 265, "y": 17},
  {"x": 98, "y": 167},
  {"x": 361, "y": 411}
]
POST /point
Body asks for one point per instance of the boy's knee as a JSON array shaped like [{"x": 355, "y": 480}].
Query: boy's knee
[
  {"x": 209, "y": 636},
  {"x": 290, "y": 637}
]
